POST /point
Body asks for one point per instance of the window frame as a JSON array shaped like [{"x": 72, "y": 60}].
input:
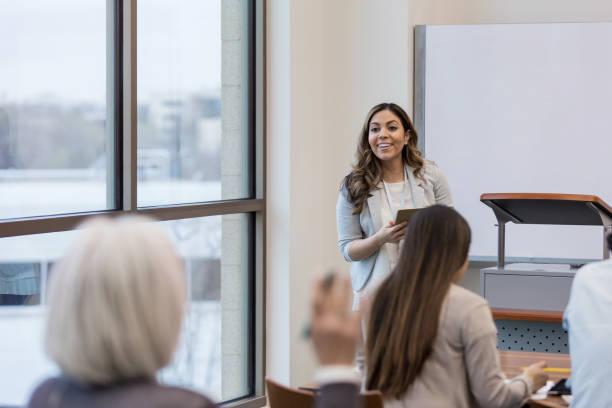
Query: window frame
[{"x": 122, "y": 175}]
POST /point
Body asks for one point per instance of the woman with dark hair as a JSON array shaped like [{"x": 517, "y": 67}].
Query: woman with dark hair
[
  {"x": 431, "y": 343},
  {"x": 390, "y": 174}
]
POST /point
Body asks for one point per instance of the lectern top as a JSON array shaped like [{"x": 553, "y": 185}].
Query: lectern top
[{"x": 546, "y": 208}]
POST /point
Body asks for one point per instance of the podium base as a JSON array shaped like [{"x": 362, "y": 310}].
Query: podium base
[
  {"x": 527, "y": 286},
  {"x": 533, "y": 287}
]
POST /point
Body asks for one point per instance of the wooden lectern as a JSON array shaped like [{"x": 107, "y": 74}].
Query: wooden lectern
[
  {"x": 530, "y": 298},
  {"x": 540, "y": 208}
]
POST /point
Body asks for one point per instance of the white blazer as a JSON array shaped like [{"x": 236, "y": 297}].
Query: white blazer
[{"x": 431, "y": 189}]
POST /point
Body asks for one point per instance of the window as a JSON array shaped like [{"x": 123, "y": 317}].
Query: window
[
  {"x": 151, "y": 107},
  {"x": 192, "y": 102},
  {"x": 55, "y": 133}
]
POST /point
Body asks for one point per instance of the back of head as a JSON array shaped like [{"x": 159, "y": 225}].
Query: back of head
[
  {"x": 116, "y": 302},
  {"x": 405, "y": 311}
]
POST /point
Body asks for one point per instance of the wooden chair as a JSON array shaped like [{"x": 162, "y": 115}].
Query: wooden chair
[
  {"x": 372, "y": 399},
  {"x": 280, "y": 396}
]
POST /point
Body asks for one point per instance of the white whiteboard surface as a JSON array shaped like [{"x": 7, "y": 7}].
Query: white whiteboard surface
[{"x": 521, "y": 108}]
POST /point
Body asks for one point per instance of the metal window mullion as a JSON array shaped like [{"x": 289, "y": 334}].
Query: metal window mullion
[
  {"x": 259, "y": 99},
  {"x": 254, "y": 402},
  {"x": 129, "y": 143},
  {"x": 66, "y": 222},
  {"x": 112, "y": 35},
  {"x": 258, "y": 31},
  {"x": 204, "y": 210},
  {"x": 259, "y": 59}
]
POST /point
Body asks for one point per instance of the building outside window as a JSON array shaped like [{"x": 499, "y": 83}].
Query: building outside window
[{"x": 151, "y": 107}]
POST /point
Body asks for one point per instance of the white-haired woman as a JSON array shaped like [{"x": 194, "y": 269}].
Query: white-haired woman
[{"x": 116, "y": 304}]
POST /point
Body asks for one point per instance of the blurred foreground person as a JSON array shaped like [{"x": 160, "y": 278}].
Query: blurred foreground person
[
  {"x": 588, "y": 321},
  {"x": 336, "y": 332},
  {"x": 116, "y": 304}
]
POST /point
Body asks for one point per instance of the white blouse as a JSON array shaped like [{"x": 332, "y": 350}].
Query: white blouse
[
  {"x": 388, "y": 214},
  {"x": 389, "y": 252}
]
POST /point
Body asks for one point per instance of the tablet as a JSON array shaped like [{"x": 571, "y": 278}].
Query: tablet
[{"x": 405, "y": 214}]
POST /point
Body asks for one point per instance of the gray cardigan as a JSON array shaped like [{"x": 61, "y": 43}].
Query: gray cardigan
[{"x": 429, "y": 190}]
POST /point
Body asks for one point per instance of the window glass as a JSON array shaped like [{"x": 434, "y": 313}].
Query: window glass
[
  {"x": 25, "y": 265},
  {"x": 213, "y": 352},
  {"x": 212, "y": 356},
  {"x": 192, "y": 123},
  {"x": 55, "y": 133}
]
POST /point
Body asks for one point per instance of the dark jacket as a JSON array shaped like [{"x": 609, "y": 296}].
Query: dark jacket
[
  {"x": 339, "y": 395},
  {"x": 63, "y": 393}
]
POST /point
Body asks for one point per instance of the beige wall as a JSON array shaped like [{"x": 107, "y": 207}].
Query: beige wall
[
  {"x": 329, "y": 61},
  {"x": 319, "y": 88}
]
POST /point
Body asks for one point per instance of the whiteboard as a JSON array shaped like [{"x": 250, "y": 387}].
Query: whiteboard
[{"x": 519, "y": 108}]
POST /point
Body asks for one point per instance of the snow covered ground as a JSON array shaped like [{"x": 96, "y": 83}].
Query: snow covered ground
[{"x": 19, "y": 198}]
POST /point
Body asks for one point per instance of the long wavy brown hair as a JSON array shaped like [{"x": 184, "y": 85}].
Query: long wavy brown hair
[
  {"x": 367, "y": 172},
  {"x": 405, "y": 311}
]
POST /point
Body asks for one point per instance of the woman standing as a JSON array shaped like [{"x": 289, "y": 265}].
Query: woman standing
[
  {"x": 431, "y": 343},
  {"x": 390, "y": 174}
]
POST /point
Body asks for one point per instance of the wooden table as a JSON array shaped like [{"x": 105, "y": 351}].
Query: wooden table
[
  {"x": 502, "y": 313},
  {"x": 513, "y": 361}
]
